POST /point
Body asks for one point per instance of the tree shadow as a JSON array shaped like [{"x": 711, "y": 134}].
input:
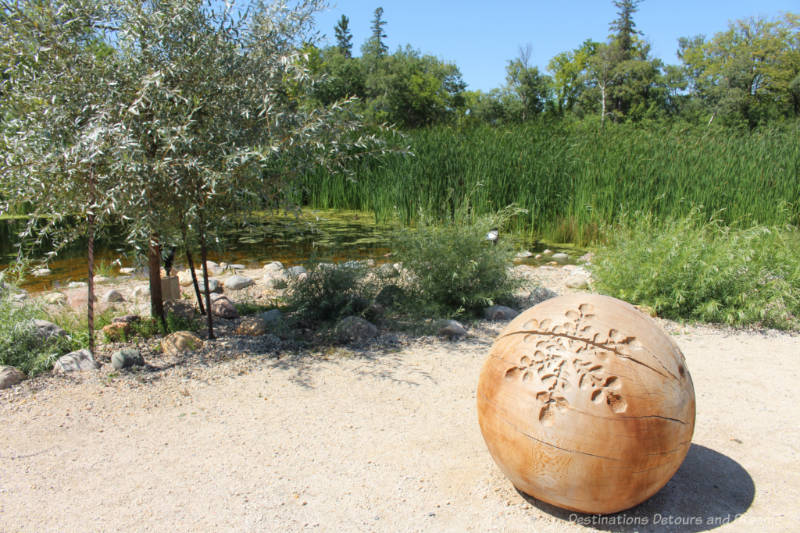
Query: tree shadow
[{"x": 708, "y": 490}]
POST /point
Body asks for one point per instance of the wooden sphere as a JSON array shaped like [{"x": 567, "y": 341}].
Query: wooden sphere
[{"x": 585, "y": 403}]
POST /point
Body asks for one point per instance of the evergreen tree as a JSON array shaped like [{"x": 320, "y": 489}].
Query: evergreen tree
[
  {"x": 344, "y": 40},
  {"x": 375, "y": 45},
  {"x": 624, "y": 27}
]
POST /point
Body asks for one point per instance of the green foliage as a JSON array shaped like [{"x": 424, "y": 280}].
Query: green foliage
[
  {"x": 21, "y": 346},
  {"x": 454, "y": 268},
  {"x": 330, "y": 292},
  {"x": 698, "y": 269},
  {"x": 573, "y": 178}
]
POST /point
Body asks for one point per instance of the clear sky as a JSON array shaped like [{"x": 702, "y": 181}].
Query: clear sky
[{"x": 480, "y": 36}]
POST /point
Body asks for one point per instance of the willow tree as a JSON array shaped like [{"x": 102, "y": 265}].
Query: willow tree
[{"x": 62, "y": 134}]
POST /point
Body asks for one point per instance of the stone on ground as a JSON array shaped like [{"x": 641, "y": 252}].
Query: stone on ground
[
  {"x": 224, "y": 308},
  {"x": 113, "y": 296},
  {"x": 355, "y": 329},
  {"x": 78, "y": 361},
  {"x": 450, "y": 329},
  {"x": 252, "y": 326},
  {"x": 181, "y": 341},
  {"x": 10, "y": 376},
  {"x": 126, "y": 358},
  {"x": 499, "y": 313},
  {"x": 46, "y": 329},
  {"x": 237, "y": 282}
]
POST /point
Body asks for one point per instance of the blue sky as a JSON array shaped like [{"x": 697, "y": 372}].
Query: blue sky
[{"x": 480, "y": 36}]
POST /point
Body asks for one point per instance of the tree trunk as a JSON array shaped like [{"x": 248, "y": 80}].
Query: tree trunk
[
  {"x": 602, "y": 105},
  {"x": 190, "y": 262},
  {"x": 156, "y": 300},
  {"x": 90, "y": 253},
  {"x": 204, "y": 258}
]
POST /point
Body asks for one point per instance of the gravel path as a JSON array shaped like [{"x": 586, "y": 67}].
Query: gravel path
[{"x": 384, "y": 439}]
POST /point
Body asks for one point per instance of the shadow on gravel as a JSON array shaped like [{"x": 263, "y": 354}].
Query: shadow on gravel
[{"x": 708, "y": 490}]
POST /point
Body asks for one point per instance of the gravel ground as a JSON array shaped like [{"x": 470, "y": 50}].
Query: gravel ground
[{"x": 244, "y": 436}]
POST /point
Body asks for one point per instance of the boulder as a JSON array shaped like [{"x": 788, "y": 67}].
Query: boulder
[
  {"x": 181, "y": 341},
  {"x": 237, "y": 282},
  {"x": 252, "y": 326},
  {"x": 140, "y": 291},
  {"x": 185, "y": 277},
  {"x": 274, "y": 266},
  {"x": 499, "y": 313},
  {"x": 46, "y": 329},
  {"x": 213, "y": 268},
  {"x": 547, "y": 251},
  {"x": 387, "y": 270},
  {"x": 586, "y": 258},
  {"x": 236, "y": 266},
  {"x": 276, "y": 279},
  {"x": 450, "y": 329},
  {"x": 41, "y": 272},
  {"x": 540, "y": 294},
  {"x": 180, "y": 308},
  {"x": 560, "y": 258},
  {"x": 224, "y": 308},
  {"x": 355, "y": 329},
  {"x": 538, "y": 257},
  {"x": 579, "y": 279},
  {"x": 113, "y": 296},
  {"x": 296, "y": 271},
  {"x": 117, "y": 331},
  {"x": 10, "y": 376},
  {"x": 523, "y": 255},
  {"x": 127, "y": 270},
  {"x": 55, "y": 298},
  {"x": 79, "y": 361},
  {"x": 126, "y": 358},
  {"x": 273, "y": 318},
  {"x": 19, "y": 296},
  {"x": 76, "y": 285},
  {"x": 101, "y": 279},
  {"x": 213, "y": 285}
]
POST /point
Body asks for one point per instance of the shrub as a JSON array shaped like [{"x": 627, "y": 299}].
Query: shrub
[
  {"x": 329, "y": 292},
  {"x": 454, "y": 268},
  {"x": 20, "y": 345},
  {"x": 702, "y": 270}
]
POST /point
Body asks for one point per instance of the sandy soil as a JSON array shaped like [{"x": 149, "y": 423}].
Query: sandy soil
[{"x": 380, "y": 439}]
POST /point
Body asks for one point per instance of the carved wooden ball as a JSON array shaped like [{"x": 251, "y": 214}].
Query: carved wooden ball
[{"x": 585, "y": 403}]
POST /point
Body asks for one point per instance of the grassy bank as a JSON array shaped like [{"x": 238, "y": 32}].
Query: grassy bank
[{"x": 573, "y": 178}]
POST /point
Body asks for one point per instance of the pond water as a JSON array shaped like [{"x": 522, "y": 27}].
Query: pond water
[{"x": 314, "y": 235}]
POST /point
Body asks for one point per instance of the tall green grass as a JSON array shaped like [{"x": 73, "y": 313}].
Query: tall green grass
[{"x": 574, "y": 177}]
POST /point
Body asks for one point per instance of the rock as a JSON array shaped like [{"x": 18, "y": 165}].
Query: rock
[
  {"x": 19, "y": 296},
  {"x": 523, "y": 255},
  {"x": 252, "y": 326},
  {"x": 129, "y": 319},
  {"x": 237, "y": 282},
  {"x": 296, "y": 271},
  {"x": 117, "y": 331},
  {"x": 55, "y": 298},
  {"x": 586, "y": 258},
  {"x": 180, "y": 309},
  {"x": 538, "y": 256},
  {"x": 236, "y": 266},
  {"x": 499, "y": 313},
  {"x": 10, "y": 376},
  {"x": 579, "y": 279},
  {"x": 355, "y": 329},
  {"x": 213, "y": 285},
  {"x": 127, "y": 270},
  {"x": 41, "y": 272},
  {"x": 450, "y": 329},
  {"x": 273, "y": 318},
  {"x": 274, "y": 266},
  {"x": 113, "y": 296},
  {"x": 76, "y": 285},
  {"x": 126, "y": 358},
  {"x": 389, "y": 295},
  {"x": 46, "y": 329},
  {"x": 140, "y": 291},
  {"x": 560, "y": 257},
  {"x": 224, "y": 308},
  {"x": 276, "y": 279},
  {"x": 185, "y": 277},
  {"x": 79, "y": 361},
  {"x": 387, "y": 270},
  {"x": 540, "y": 294},
  {"x": 101, "y": 279},
  {"x": 547, "y": 251},
  {"x": 181, "y": 341},
  {"x": 213, "y": 268}
]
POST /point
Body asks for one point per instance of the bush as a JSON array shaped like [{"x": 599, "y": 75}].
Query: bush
[
  {"x": 702, "y": 270},
  {"x": 454, "y": 268},
  {"x": 329, "y": 292},
  {"x": 20, "y": 345}
]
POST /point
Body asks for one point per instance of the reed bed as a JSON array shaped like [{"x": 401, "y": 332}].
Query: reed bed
[{"x": 575, "y": 178}]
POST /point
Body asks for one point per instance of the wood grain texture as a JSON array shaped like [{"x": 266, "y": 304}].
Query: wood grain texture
[{"x": 585, "y": 403}]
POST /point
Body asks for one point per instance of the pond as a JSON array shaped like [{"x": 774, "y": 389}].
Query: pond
[{"x": 313, "y": 235}]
